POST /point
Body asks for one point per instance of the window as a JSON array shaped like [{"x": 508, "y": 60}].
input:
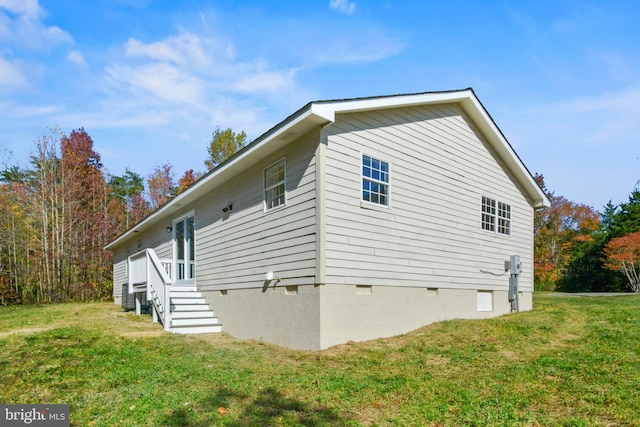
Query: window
[
  {"x": 504, "y": 218},
  {"x": 488, "y": 214},
  {"x": 496, "y": 219},
  {"x": 274, "y": 184},
  {"x": 375, "y": 181}
]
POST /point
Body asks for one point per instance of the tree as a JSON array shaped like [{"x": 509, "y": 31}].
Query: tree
[
  {"x": 559, "y": 231},
  {"x": 223, "y": 145},
  {"x": 161, "y": 185},
  {"x": 185, "y": 181},
  {"x": 130, "y": 205},
  {"x": 55, "y": 219},
  {"x": 125, "y": 187},
  {"x": 623, "y": 254},
  {"x": 86, "y": 225},
  {"x": 626, "y": 218},
  {"x": 14, "y": 242},
  {"x": 587, "y": 270}
]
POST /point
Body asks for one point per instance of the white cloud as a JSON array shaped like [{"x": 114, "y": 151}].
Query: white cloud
[
  {"x": 184, "y": 49},
  {"x": 620, "y": 101},
  {"x": 10, "y": 75},
  {"x": 191, "y": 68},
  {"x": 29, "y": 8},
  {"x": 265, "y": 81},
  {"x": 372, "y": 49},
  {"x": 17, "y": 111},
  {"x": 344, "y": 6},
  {"x": 26, "y": 29},
  {"x": 164, "y": 82},
  {"x": 76, "y": 58}
]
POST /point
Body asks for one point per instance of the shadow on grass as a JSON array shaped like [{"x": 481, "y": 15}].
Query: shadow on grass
[{"x": 269, "y": 407}]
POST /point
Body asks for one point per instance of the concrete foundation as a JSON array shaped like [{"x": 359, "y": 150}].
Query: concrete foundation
[{"x": 318, "y": 317}]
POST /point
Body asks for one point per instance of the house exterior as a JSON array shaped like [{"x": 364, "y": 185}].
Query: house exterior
[{"x": 350, "y": 220}]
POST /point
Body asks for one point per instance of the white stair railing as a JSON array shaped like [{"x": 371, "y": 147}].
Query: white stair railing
[{"x": 146, "y": 268}]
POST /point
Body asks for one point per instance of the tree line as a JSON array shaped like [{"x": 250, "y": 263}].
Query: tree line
[
  {"x": 58, "y": 213},
  {"x": 578, "y": 249}
]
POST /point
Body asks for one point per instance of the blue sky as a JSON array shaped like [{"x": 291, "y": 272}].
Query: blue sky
[{"x": 150, "y": 80}]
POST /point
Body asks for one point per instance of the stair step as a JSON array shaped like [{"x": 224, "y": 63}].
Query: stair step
[
  {"x": 192, "y": 314},
  {"x": 183, "y": 300},
  {"x": 177, "y": 288},
  {"x": 197, "y": 329},
  {"x": 182, "y": 293},
  {"x": 194, "y": 322},
  {"x": 189, "y": 307}
]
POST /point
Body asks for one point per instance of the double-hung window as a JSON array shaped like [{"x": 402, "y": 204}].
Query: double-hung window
[
  {"x": 274, "y": 185},
  {"x": 504, "y": 218},
  {"x": 488, "y": 214},
  {"x": 375, "y": 181},
  {"x": 496, "y": 216}
]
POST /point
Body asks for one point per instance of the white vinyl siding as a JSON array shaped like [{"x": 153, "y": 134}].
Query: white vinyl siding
[
  {"x": 431, "y": 238},
  {"x": 237, "y": 251},
  {"x": 120, "y": 277}
]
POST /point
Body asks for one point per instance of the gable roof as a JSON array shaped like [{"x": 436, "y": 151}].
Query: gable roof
[{"x": 322, "y": 113}]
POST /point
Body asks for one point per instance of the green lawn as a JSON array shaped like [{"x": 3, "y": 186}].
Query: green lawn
[{"x": 570, "y": 362}]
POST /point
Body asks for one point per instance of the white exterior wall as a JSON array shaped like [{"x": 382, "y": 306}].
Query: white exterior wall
[
  {"x": 431, "y": 234},
  {"x": 120, "y": 277},
  {"x": 235, "y": 251}
]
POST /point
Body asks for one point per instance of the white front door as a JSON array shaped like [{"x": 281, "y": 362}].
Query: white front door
[{"x": 184, "y": 249}]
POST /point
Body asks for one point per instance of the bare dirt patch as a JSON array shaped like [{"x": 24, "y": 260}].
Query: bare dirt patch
[{"x": 25, "y": 331}]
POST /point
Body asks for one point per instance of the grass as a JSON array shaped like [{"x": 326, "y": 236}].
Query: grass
[{"x": 570, "y": 362}]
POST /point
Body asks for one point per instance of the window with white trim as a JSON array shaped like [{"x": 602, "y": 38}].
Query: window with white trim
[
  {"x": 496, "y": 216},
  {"x": 504, "y": 218},
  {"x": 375, "y": 181},
  {"x": 274, "y": 185},
  {"x": 488, "y": 214}
]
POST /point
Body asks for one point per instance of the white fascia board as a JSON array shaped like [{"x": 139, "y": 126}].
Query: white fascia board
[
  {"x": 298, "y": 124},
  {"x": 474, "y": 108},
  {"x": 330, "y": 108}
]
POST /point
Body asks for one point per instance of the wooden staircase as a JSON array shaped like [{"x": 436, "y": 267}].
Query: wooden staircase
[
  {"x": 180, "y": 308},
  {"x": 190, "y": 313}
]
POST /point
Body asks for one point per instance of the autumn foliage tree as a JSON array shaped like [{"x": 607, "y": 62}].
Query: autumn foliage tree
[
  {"x": 14, "y": 238},
  {"x": 559, "y": 229},
  {"x": 623, "y": 254},
  {"x": 56, "y": 220},
  {"x": 161, "y": 185},
  {"x": 185, "y": 181},
  {"x": 86, "y": 205},
  {"x": 224, "y": 144}
]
